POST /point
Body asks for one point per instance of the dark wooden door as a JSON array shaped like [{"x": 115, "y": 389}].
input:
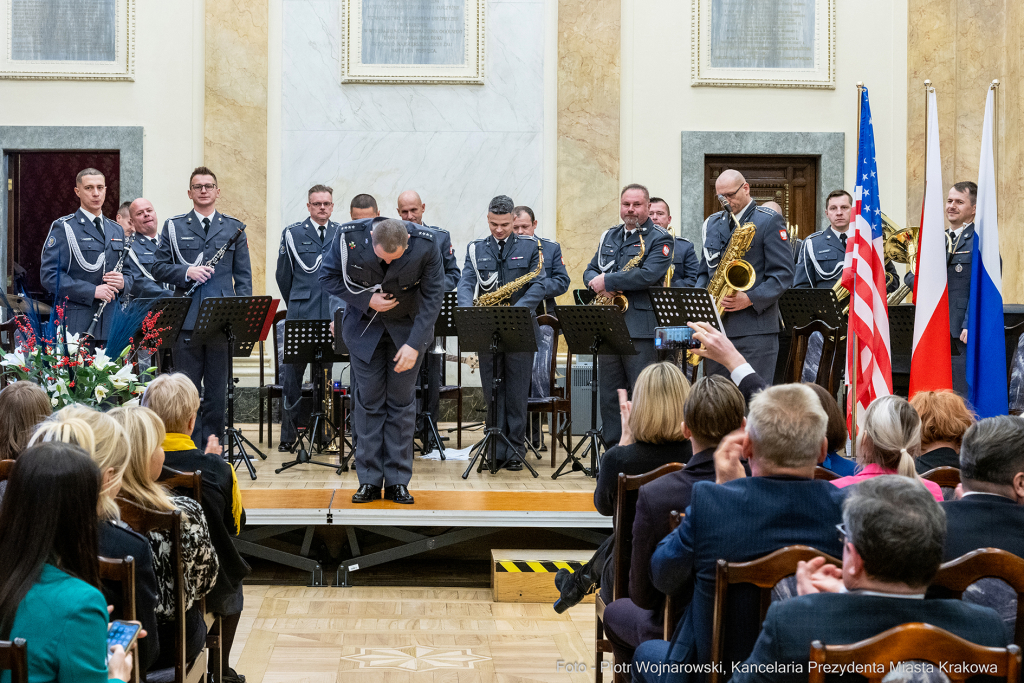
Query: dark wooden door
[
  {"x": 791, "y": 181},
  {"x": 42, "y": 190}
]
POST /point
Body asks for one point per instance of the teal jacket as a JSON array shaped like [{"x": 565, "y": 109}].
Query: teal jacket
[{"x": 64, "y": 622}]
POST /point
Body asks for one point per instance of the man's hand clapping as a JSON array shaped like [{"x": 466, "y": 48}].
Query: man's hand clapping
[
  {"x": 815, "y": 576},
  {"x": 729, "y": 457}
]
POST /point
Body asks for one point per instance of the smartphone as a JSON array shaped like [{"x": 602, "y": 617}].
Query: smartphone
[
  {"x": 123, "y": 633},
  {"x": 672, "y": 338}
]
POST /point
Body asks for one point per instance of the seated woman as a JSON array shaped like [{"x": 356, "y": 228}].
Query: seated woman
[
  {"x": 106, "y": 443},
  {"x": 50, "y": 594},
  {"x": 835, "y": 433},
  {"x": 23, "y": 405},
  {"x": 944, "y": 421},
  {"x": 888, "y": 442},
  {"x": 145, "y": 435}
]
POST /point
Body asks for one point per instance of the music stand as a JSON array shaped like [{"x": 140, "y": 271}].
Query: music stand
[
  {"x": 676, "y": 306},
  {"x": 340, "y": 349},
  {"x": 311, "y": 341},
  {"x": 495, "y": 330},
  {"x": 172, "y": 312},
  {"x": 444, "y": 326},
  {"x": 592, "y": 330},
  {"x": 238, "y": 322},
  {"x": 800, "y": 307}
]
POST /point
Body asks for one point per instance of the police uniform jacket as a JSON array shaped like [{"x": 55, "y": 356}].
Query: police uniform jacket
[
  {"x": 352, "y": 272},
  {"x": 483, "y": 271},
  {"x": 143, "y": 256},
  {"x": 443, "y": 239},
  {"x": 771, "y": 258},
  {"x": 613, "y": 253},
  {"x": 298, "y": 270},
  {"x": 75, "y": 257},
  {"x": 556, "y": 277},
  {"x": 820, "y": 262},
  {"x": 958, "y": 276},
  {"x": 184, "y": 244},
  {"x": 684, "y": 264}
]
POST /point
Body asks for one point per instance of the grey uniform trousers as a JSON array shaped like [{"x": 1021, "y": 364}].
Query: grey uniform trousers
[
  {"x": 207, "y": 367},
  {"x": 514, "y": 369},
  {"x": 295, "y": 410},
  {"x": 760, "y": 350}
]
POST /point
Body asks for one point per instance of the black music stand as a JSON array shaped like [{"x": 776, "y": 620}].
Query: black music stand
[
  {"x": 173, "y": 310},
  {"x": 340, "y": 349},
  {"x": 311, "y": 341},
  {"x": 676, "y": 306},
  {"x": 592, "y": 330},
  {"x": 495, "y": 330},
  {"x": 800, "y": 307},
  {"x": 444, "y": 326},
  {"x": 237, "y": 321}
]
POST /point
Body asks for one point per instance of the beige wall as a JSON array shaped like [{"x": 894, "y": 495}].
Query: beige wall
[{"x": 658, "y": 101}]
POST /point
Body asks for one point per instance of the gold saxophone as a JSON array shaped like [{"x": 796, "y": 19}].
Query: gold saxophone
[
  {"x": 502, "y": 295},
  {"x": 619, "y": 300},
  {"x": 899, "y": 245}
]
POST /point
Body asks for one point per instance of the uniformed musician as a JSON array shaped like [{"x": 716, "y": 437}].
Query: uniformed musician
[
  {"x": 144, "y": 247},
  {"x": 605, "y": 275},
  {"x": 390, "y": 275},
  {"x": 411, "y": 208},
  {"x": 79, "y": 255},
  {"x": 189, "y": 241},
  {"x": 303, "y": 248},
  {"x": 492, "y": 262},
  {"x": 751, "y": 318},
  {"x": 684, "y": 258}
]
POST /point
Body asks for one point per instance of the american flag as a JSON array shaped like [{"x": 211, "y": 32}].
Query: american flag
[{"x": 864, "y": 278}]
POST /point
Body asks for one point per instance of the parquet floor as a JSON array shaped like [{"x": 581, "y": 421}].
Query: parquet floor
[{"x": 408, "y": 635}]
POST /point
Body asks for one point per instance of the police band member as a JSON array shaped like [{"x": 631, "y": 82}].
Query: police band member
[
  {"x": 303, "y": 247},
  {"x": 491, "y": 263},
  {"x": 363, "y": 206},
  {"x": 144, "y": 247},
  {"x": 79, "y": 255},
  {"x": 751, "y": 318},
  {"x": 684, "y": 258},
  {"x": 411, "y": 208},
  {"x": 605, "y": 275},
  {"x": 390, "y": 275},
  {"x": 124, "y": 218},
  {"x": 188, "y": 241}
]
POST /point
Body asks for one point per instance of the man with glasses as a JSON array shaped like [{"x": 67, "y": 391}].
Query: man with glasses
[
  {"x": 751, "y": 318},
  {"x": 188, "y": 242},
  {"x": 303, "y": 246}
]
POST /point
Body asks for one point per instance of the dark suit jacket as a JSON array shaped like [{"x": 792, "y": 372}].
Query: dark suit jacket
[
  {"x": 117, "y": 542},
  {"x": 839, "y": 619},
  {"x": 983, "y": 521},
  {"x": 751, "y": 385},
  {"x": 685, "y": 264},
  {"x": 739, "y": 521},
  {"x": 940, "y": 457}
]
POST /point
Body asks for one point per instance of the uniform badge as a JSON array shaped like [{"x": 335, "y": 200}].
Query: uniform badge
[
  {"x": 563, "y": 260},
  {"x": 451, "y": 250},
  {"x": 282, "y": 250},
  {"x": 958, "y": 268},
  {"x": 52, "y": 241},
  {"x": 351, "y": 245},
  {"x": 664, "y": 249},
  {"x": 784, "y": 235}
]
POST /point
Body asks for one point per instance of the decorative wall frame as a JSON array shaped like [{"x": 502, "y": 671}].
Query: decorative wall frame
[
  {"x": 797, "y": 47},
  {"x": 32, "y": 48},
  {"x": 443, "y": 43}
]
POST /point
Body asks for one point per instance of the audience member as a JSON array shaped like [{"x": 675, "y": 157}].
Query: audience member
[
  {"x": 740, "y": 518},
  {"x": 717, "y": 347},
  {"x": 50, "y": 592},
  {"x": 145, "y": 434},
  {"x": 944, "y": 419},
  {"x": 835, "y": 433},
  {"x": 23, "y": 405},
  {"x": 175, "y": 399},
  {"x": 713, "y": 410},
  {"x": 893, "y": 532},
  {"x": 888, "y": 442}
]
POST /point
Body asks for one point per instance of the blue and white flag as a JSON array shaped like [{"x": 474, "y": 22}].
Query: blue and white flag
[{"x": 986, "y": 340}]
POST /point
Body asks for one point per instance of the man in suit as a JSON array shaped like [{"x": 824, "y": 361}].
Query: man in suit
[
  {"x": 605, "y": 276},
  {"x": 390, "y": 275},
  {"x": 742, "y": 518},
  {"x": 79, "y": 256},
  {"x": 491, "y": 263},
  {"x": 144, "y": 248},
  {"x": 303, "y": 246},
  {"x": 713, "y": 410},
  {"x": 751, "y": 318},
  {"x": 893, "y": 532},
  {"x": 684, "y": 258},
  {"x": 188, "y": 241}
]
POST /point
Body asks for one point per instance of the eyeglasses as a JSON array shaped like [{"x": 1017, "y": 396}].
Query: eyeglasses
[
  {"x": 730, "y": 195},
  {"x": 321, "y": 205},
  {"x": 844, "y": 536},
  {"x": 200, "y": 188}
]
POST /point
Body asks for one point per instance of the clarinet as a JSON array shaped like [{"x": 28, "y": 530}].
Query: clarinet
[
  {"x": 103, "y": 304},
  {"x": 215, "y": 259}
]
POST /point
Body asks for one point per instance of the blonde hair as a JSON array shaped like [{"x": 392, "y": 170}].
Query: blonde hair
[
  {"x": 97, "y": 434},
  {"x": 944, "y": 417},
  {"x": 145, "y": 433},
  {"x": 659, "y": 397},
  {"x": 890, "y": 436},
  {"x": 174, "y": 398},
  {"x": 787, "y": 425},
  {"x": 23, "y": 405}
]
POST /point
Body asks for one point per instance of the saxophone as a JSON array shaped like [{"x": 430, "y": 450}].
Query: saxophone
[
  {"x": 619, "y": 300},
  {"x": 502, "y": 295}
]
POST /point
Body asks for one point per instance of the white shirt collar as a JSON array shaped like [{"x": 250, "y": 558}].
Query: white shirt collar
[
  {"x": 984, "y": 493},
  {"x": 317, "y": 226},
  {"x": 92, "y": 218},
  {"x": 904, "y": 596},
  {"x": 201, "y": 216},
  {"x": 740, "y": 213}
]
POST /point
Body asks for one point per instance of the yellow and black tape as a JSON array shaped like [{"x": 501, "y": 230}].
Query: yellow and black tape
[{"x": 517, "y": 566}]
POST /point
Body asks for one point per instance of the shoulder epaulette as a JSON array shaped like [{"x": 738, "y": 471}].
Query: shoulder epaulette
[
  {"x": 683, "y": 239},
  {"x": 815, "y": 234},
  {"x": 64, "y": 218},
  {"x": 434, "y": 227},
  {"x": 426, "y": 234},
  {"x": 231, "y": 217},
  {"x": 295, "y": 225},
  {"x": 765, "y": 209},
  {"x": 180, "y": 215},
  {"x": 349, "y": 227},
  {"x": 546, "y": 239}
]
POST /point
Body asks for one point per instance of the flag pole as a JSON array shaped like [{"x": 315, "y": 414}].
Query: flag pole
[
  {"x": 924, "y": 184},
  {"x": 851, "y": 333},
  {"x": 994, "y": 87}
]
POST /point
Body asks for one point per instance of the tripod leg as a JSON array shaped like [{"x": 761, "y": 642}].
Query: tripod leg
[
  {"x": 477, "y": 450},
  {"x": 235, "y": 439},
  {"x": 515, "y": 455},
  {"x": 437, "y": 437}
]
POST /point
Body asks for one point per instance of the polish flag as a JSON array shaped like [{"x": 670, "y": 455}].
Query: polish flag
[{"x": 930, "y": 365}]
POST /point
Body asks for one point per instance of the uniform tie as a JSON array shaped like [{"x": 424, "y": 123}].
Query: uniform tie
[
  {"x": 206, "y": 226},
  {"x": 501, "y": 247},
  {"x": 321, "y": 234},
  {"x": 842, "y": 238},
  {"x": 99, "y": 226}
]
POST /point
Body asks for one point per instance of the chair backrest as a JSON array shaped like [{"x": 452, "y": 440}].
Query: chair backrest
[
  {"x": 1013, "y": 334},
  {"x": 190, "y": 483},
  {"x": 14, "y": 658},
  {"x": 986, "y": 563},
  {"x": 5, "y": 469},
  {"x": 625, "y": 512},
  {"x": 675, "y": 518},
  {"x": 765, "y": 573},
  {"x": 825, "y": 376},
  {"x": 914, "y": 642},
  {"x": 122, "y": 572},
  {"x": 277, "y": 331},
  {"x": 548, "y": 320},
  {"x": 943, "y": 476},
  {"x": 823, "y": 474}
]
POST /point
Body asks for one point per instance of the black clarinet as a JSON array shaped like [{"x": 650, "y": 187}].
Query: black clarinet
[
  {"x": 91, "y": 332},
  {"x": 216, "y": 258}
]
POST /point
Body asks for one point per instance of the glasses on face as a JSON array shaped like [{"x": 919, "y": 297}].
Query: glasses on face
[
  {"x": 202, "y": 188},
  {"x": 321, "y": 205},
  {"x": 844, "y": 537},
  {"x": 730, "y": 195}
]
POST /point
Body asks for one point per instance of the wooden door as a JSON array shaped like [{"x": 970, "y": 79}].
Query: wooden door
[{"x": 791, "y": 181}]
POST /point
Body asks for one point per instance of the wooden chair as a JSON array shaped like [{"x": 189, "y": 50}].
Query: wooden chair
[
  {"x": 268, "y": 392},
  {"x": 830, "y": 364},
  {"x": 453, "y": 392},
  {"x": 986, "y": 563},
  {"x": 5, "y": 469},
  {"x": 946, "y": 477},
  {"x": 910, "y": 642},
  {"x": 143, "y": 520},
  {"x": 559, "y": 400},
  {"x": 14, "y": 658},
  {"x": 122, "y": 572},
  {"x": 823, "y": 474},
  {"x": 765, "y": 573},
  {"x": 625, "y": 512},
  {"x": 675, "y": 518}
]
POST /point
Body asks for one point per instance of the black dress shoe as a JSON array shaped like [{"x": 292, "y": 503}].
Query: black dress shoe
[
  {"x": 399, "y": 494},
  {"x": 514, "y": 466},
  {"x": 367, "y": 493},
  {"x": 572, "y": 587},
  {"x": 284, "y": 446}
]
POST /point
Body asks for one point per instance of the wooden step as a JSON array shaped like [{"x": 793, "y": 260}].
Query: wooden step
[{"x": 529, "y": 575}]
